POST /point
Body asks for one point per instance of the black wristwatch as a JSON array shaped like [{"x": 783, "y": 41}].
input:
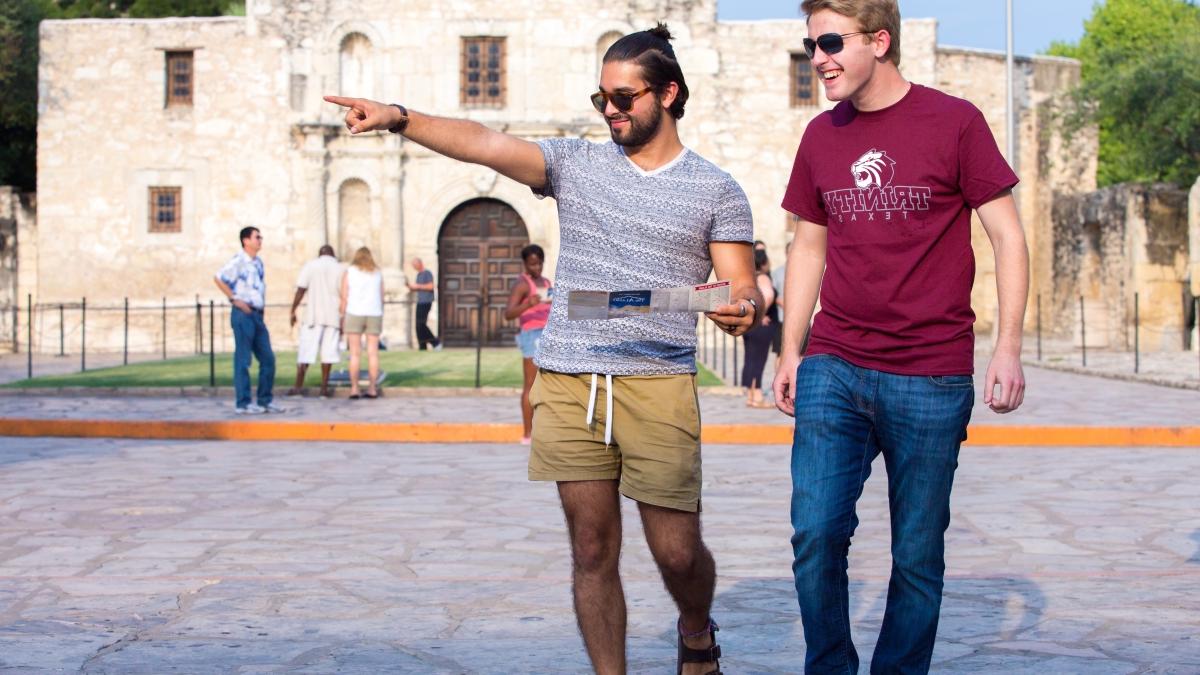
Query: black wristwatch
[{"x": 403, "y": 123}]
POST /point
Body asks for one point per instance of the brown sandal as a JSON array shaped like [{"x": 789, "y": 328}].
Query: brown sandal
[{"x": 688, "y": 655}]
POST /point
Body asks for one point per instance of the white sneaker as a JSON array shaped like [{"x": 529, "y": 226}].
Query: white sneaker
[
  {"x": 437, "y": 347},
  {"x": 251, "y": 409},
  {"x": 272, "y": 408}
]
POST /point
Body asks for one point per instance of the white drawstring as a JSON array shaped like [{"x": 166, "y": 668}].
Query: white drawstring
[
  {"x": 591, "y": 403},
  {"x": 608, "y": 412},
  {"x": 608, "y": 417}
]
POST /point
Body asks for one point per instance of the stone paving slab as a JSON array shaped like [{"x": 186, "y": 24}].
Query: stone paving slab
[
  {"x": 1052, "y": 399},
  {"x": 201, "y": 557}
]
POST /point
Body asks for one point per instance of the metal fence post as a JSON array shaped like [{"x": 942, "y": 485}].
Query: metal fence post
[
  {"x": 1083, "y": 331},
  {"x": 199, "y": 327},
  {"x": 1137, "y": 346},
  {"x": 479, "y": 336},
  {"x": 724, "y": 357},
  {"x": 164, "y": 328},
  {"x": 83, "y": 335},
  {"x": 29, "y": 338},
  {"x": 62, "y": 334},
  {"x": 1039, "y": 326},
  {"x": 212, "y": 353},
  {"x": 735, "y": 361},
  {"x": 125, "y": 344}
]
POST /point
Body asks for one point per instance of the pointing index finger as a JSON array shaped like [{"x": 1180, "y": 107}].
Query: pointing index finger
[{"x": 341, "y": 100}]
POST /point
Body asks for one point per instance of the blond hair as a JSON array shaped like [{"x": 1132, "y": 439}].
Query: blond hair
[
  {"x": 872, "y": 16},
  {"x": 363, "y": 260}
]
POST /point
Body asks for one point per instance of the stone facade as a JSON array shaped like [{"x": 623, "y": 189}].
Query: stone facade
[
  {"x": 1109, "y": 245},
  {"x": 259, "y": 147}
]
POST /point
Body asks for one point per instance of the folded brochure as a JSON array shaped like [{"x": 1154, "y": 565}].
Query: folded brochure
[{"x": 593, "y": 305}]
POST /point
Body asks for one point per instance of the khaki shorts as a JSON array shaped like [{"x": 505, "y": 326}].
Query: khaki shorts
[
  {"x": 655, "y": 450},
  {"x": 371, "y": 325}
]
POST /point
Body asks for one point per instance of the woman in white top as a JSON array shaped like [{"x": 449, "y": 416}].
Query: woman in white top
[{"x": 362, "y": 313}]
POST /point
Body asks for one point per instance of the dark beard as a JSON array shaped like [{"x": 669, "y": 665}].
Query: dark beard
[{"x": 639, "y": 133}]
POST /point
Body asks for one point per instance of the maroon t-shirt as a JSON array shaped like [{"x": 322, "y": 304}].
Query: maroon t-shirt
[{"x": 896, "y": 187}]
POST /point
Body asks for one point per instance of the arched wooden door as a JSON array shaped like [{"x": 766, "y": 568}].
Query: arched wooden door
[{"x": 479, "y": 257}]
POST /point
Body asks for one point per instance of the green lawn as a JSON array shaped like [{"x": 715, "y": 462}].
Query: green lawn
[{"x": 447, "y": 368}]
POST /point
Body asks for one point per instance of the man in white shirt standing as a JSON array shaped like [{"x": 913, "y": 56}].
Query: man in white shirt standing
[{"x": 320, "y": 280}]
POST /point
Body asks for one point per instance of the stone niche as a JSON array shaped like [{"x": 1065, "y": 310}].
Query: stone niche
[{"x": 1110, "y": 244}]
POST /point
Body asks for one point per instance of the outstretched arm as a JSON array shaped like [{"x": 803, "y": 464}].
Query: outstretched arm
[{"x": 464, "y": 140}]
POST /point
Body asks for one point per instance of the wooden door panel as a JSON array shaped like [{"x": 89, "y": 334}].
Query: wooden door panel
[{"x": 479, "y": 249}]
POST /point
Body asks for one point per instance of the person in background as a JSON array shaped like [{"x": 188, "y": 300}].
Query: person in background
[
  {"x": 529, "y": 302},
  {"x": 320, "y": 332},
  {"x": 243, "y": 281},
  {"x": 758, "y": 339},
  {"x": 778, "y": 277},
  {"x": 425, "y": 288},
  {"x": 362, "y": 314}
]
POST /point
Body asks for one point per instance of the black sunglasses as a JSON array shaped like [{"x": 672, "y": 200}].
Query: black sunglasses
[
  {"x": 830, "y": 43},
  {"x": 622, "y": 102}
]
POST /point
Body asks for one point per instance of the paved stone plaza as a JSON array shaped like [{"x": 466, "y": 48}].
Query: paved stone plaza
[
  {"x": 124, "y": 556},
  {"x": 134, "y": 556}
]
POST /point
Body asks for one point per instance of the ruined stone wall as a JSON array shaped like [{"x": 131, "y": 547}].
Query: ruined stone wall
[
  {"x": 16, "y": 223},
  {"x": 1110, "y": 244},
  {"x": 1045, "y": 162}
]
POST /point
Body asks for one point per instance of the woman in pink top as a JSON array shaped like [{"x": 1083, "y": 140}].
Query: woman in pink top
[{"x": 530, "y": 302}]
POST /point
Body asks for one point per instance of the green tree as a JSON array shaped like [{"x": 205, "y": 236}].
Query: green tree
[
  {"x": 1140, "y": 85},
  {"x": 19, "y": 21},
  {"x": 18, "y": 90}
]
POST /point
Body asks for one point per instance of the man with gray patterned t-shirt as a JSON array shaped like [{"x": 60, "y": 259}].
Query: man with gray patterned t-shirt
[{"x": 615, "y": 407}]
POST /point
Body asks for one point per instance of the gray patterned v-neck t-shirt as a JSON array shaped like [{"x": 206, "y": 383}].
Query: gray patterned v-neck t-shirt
[{"x": 625, "y": 228}]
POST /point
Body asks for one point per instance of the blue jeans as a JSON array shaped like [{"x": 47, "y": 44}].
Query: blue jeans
[
  {"x": 250, "y": 336},
  {"x": 845, "y": 416}
]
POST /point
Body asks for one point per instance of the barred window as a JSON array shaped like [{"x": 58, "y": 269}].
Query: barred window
[
  {"x": 804, "y": 90},
  {"x": 179, "y": 78},
  {"x": 483, "y": 72},
  {"x": 166, "y": 209}
]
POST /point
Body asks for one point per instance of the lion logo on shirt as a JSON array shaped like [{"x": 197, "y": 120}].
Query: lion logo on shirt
[{"x": 873, "y": 169}]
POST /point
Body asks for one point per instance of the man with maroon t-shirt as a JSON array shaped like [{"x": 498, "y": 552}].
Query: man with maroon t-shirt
[{"x": 884, "y": 184}]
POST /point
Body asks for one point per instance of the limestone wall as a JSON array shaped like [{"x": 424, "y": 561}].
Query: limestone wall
[
  {"x": 1110, "y": 244},
  {"x": 104, "y": 137}
]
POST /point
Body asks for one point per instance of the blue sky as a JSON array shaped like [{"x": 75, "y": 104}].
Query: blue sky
[{"x": 962, "y": 23}]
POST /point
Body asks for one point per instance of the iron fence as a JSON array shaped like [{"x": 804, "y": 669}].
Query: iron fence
[{"x": 144, "y": 330}]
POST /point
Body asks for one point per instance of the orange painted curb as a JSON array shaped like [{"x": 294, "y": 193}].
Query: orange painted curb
[
  {"x": 407, "y": 432},
  {"x": 243, "y": 430}
]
